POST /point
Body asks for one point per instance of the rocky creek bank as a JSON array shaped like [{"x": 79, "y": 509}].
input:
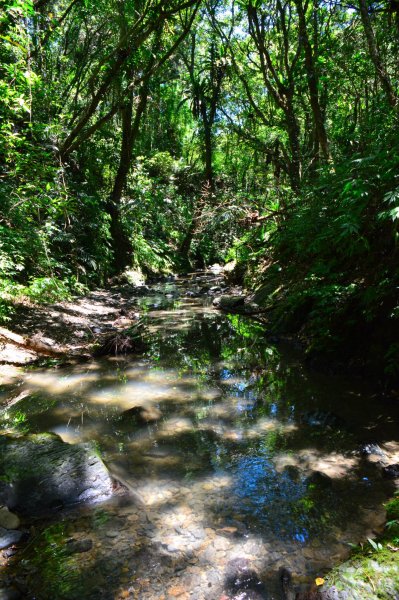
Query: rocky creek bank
[{"x": 105, "y": 321}]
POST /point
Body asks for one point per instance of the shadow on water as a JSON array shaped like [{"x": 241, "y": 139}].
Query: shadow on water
[{"x": 243, "y": 463}]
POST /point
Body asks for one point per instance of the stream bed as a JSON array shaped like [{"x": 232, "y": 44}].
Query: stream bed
[{"x": 239, "y": 461}]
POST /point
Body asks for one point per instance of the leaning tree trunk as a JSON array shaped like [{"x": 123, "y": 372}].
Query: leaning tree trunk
[
  {"x": 375, "y": 55},
  {"x": 121, "y": 244},
  {"x": 120, "y": 241}
]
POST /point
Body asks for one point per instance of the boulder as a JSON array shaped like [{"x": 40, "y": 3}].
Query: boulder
[
  {"x": 41, "y": 472},
  {"x": 229, "y": 302},
  {"x": 78, "y": 546},
  {"x": 234, "y": 272},
  {"x": 7, "y": 519},
  {"x": 215, "y": 289}
]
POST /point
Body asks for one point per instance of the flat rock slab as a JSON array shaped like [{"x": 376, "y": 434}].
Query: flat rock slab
[{"x": 40, "y": 472}]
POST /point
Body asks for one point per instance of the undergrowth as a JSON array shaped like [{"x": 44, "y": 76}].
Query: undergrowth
[
  {"x": 39, "y": 289},
  {"x": 373, "y": 570}
]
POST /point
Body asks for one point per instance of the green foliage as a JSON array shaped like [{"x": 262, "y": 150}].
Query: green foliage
[
  {"x": 39, "y": 289},
  {"x": 377, "y": 546}
]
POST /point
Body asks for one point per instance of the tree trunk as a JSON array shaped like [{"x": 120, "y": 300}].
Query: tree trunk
[
  {"x": 375, "y": 55},
  {"x": 208, "y": 154},
  {"x": 120, "y": 241},
  {"x": 293, "y": 137},
  {"x": 313, "y": 84},
  {"x": 121, "y": 244}
]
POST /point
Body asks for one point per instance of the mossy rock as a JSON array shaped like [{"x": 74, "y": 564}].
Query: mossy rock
[{"x": 40, "y": 472}]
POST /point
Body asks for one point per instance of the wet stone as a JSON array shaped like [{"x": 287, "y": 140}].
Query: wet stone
[
  {"x": 221, "y": 543},
  {"x": 196, "y": 532},
  {"x": 9, "y": 537},
  {"x": 8, "y": 520},
  {"x": 45, "y": 473},
  {"x": 112, "y": 534},
  {"x": 77, "y": 546}
]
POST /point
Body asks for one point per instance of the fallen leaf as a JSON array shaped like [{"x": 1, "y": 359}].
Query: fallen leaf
[{"x": 319, "y": 581}]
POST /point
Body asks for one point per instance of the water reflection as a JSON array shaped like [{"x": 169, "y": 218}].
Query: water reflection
[{"x": 242, "y": 441}]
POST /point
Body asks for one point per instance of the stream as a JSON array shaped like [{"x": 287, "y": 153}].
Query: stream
[{"x": 239, "y": 461}]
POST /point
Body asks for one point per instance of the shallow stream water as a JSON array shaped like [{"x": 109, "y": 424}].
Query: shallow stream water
[{"x": 249, "y": 462}]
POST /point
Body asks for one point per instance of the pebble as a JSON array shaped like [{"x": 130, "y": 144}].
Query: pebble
[
  {"x": 196, "y": 532},
  {"x": 213, "y": 577},
  {"x": 221, "y": 543},
  {"x": 227, "y": 531},
  {"x": 133, "y": 518}
]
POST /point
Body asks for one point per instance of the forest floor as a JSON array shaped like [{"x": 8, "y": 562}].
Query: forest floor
[{"x": 65, "y": 329}]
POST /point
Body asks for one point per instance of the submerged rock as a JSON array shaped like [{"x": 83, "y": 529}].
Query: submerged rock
[
  {"x": 41, "y": 472},
  {"x": 321, "y": 418},
  {"x": 319, "y": 479},
  {"x": 243, "y": 581},
  {"x": 78, "y": 546},
  {"x": 142, "y": 414},
  {"x": 391, "y": 471},
  {"x": 292, "y": 472}
]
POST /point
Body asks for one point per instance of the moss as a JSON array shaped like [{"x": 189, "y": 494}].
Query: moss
[
  {"x": 373, "y": 570},
  {"x": 392, "y": 508},
  {"x": 60, "y": 575}
]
